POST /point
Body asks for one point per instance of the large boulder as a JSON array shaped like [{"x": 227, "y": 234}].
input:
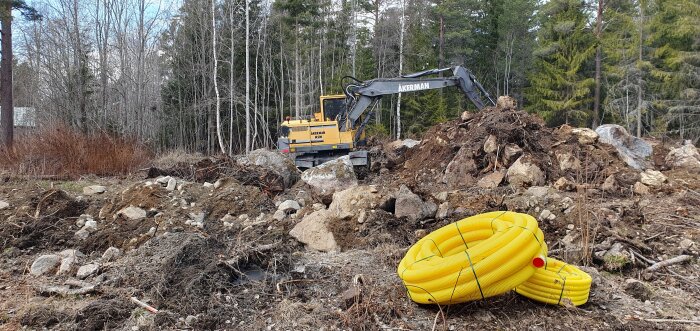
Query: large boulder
[
  {"x": 313, "y": 232},
  {"x": 632, "y": 150},
  {"x": 330, "y": 177},
  {"x": 396, "y": 151},
  {"x": 273, "y": 161},
  {"x": 525, "y": 173},
  {"x": 411, "y": 206},
  {"x": 686, "y": 157},
  {"x": 350, "y": 202}
]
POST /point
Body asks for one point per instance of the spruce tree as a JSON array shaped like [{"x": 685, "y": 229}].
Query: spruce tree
[{"x": 560, "y": 88}]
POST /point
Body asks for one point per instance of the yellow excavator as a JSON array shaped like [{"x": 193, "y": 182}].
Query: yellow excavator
[{"x": 338, "y": 128}]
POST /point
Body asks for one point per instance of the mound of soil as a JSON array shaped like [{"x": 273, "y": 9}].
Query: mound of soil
[{"x": 453, "y": 155}]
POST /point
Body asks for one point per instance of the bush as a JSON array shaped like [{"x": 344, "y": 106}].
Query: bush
[{"x": 62, "y": 151}]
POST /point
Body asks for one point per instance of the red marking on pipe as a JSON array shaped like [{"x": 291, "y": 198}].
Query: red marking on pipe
[{"x": 538, "y": 262}]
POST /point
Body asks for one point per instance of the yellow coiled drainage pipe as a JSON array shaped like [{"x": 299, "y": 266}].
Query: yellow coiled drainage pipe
[
  {"x": 474, "y": 258},
  {"x": 557, "y": 282}
]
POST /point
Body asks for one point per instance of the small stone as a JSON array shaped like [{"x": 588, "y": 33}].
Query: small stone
[
  {"x": 318, "y": 206},
  {"x": 279, "y": 215},
  {"x": 69, "y": 258},
  {"x": 94, "y": 189},
  {"x": 638, "y": 290},
  {"x": 44, "y": 264},
  {"x": 466, "y": 116},
  {"x": 4, "y": 205},
  {"x": 640, "y": 189},
  {"x": 132, "y": 213},
  {"x": 163, "y": 180},
  {"x": 564, "y": 184},
  {"x": 111, "y": 254},
  {"x": 491, "y": 144},
  {"x": 207, "y": 185},
  {"x": 218, "y": 184},
  {"x": 443, "y": 211},
  {"x": 362, "y": 217},
  {"x": 197, "y": 217},
  {"x": 172, "y": 184},
  {"x": 82, "y": 234},
  {"x": 87, "y": 270},
  {"x": 585, "y": 136},
  {"x": 289, "y": 206},
  {"x": 442, "y": 196},
  {"x": 686, "y": 244},
  {"x": 90, "y": 226},
  {"x": 570, "y": 226},
  {"x": 545, "y": 215},
  {"x": 491, "y": 180},
  {"x": 190, "y": 320},
  {"x": 420, "y": 233},
  {"x": 243, "y": 217},
  {"x": 610, "y": 184},
  {"x": 652, "y": 178}
]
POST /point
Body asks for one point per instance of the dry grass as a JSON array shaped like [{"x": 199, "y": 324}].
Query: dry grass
[{"x": 62, "y": 151}]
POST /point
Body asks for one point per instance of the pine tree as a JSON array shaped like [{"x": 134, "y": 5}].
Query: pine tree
[{"x": 560, "y": 88}]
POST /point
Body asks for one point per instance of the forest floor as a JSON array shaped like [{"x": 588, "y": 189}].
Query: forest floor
[{"x": 203, "y": 241}]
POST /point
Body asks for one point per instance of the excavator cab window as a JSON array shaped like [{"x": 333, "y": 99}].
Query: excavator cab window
[{"x": 333, "y": 107}]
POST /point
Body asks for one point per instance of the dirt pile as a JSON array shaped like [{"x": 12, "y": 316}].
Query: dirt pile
[{"x": 458, "y": 153}]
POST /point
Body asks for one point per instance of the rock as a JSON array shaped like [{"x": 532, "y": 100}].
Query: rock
[
  {"x": 313, "y": 232},
  {"x": 506, "y": 103},
  {"x": 616, "y": 258},
  {"x": 511, "y": 153},
  {"x": 330, "y": 177},
  {"x": 442, "y": 196},
  {"x": 87, "y": 270},
  {"x": 547, "y": 215},
  {"x": 44, "y": 264},
  {"x": 610, "y": 184},
  {"x": 132, "y": 213},
  {"x": 69, "y": 258},
  {"x": 524, "y": 173},
  {"x": 273, "y": 161},
  {"x": 686, "y": 244},
  {"x": 491, "y": 180},
  {"x": 207, "y": 185},
  {"x": 466, "y": 115},
  {"x": 632, "y": 150},
  {"x": 349, "y": 202},
  {"x": 190, "y": 320},
  {"x": 458, "y": 173},
  {"x": 172, "y": 184},
  {"x": 685, "y": 157},
  {"x": 567, "y": 161},
  {"x": 111, "y": 254},
  {"x": 420, "y": 233},
  {"x": 279, "y": 215},
  {"x": 652, "y": 178},
  {"x": 318, "y": 206},
  {"x": 640, "y": 189},
  {"x": 163, "y": 180},
  {"x": 289, "y": 206},
  {"x": 94, "y": 189},
  {"x": 4, "y": 205},
  {"x": 564, "y": 184},
  {"x": 491, "y": 144},
  {"x": 596, "y": 278},
  {"x": 411, "y": 206},
  {"x": 443, "y": 211},
  {"x": 585, "y": 136},
  {"x": 82, "y": 234},
  {"x": 90, "y": 226},
  {"x": 638, "y": 290}
]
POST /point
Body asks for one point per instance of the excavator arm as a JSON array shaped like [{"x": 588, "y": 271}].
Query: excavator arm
[{"x": 362, "y": 95}]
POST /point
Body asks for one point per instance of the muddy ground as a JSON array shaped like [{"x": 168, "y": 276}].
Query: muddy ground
[{"x": 209, "y": 254}]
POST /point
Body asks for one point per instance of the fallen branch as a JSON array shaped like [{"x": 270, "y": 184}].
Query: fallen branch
[
  {"x": 669, "y": 262},
  {"x": 144, "y": 305},
  {"x": 660, "y": 320}
]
